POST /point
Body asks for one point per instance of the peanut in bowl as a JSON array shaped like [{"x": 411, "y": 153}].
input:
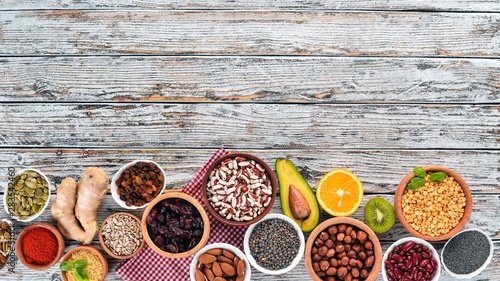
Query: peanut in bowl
[{"x": 437, "y": 210}]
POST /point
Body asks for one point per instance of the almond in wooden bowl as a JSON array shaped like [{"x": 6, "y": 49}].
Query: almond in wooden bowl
[
  {"x": 231, "y": 263},
  {"x": 121, "y": 235},
  {"x": 96, "y": 268},
  {"x": 39, "y": 246},
  {"x": 437, "y": 210},
  {"x": 175, "y": 225},
  {"x": 345, "y": 249},
  {"x": 239, "y": 189}
]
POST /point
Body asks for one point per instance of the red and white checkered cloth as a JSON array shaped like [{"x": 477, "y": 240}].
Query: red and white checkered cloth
[{"x": 150, "y": 266}]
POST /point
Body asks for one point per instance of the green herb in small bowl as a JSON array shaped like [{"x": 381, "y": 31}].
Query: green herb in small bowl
[{"x": 78, "y": 268}]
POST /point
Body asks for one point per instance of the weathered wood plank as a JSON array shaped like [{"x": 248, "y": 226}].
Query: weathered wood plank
[
  {"x": 348, "y": 126},
  {"x": 444, "y": 5},
  {"x": 379, "y": 170},
  {"x": 249, "y": 79},
  {"x": 484, "y": 216},
  {"x": 250, "y": 33}
]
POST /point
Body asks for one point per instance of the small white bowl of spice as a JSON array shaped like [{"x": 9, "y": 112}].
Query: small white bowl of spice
[
  {"x": 121, "y": 235},
  {"x": 274, "y": 245},
  {"x": 467, "y": 254}
]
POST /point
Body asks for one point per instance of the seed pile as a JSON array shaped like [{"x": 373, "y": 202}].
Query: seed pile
[
  {"x": 466, "y": 252},
  {"x": 4, "y": 242},
  {"x": 342, "y": 252},
  {"x": 29, "y": 192},
  {"x": 411, "y": 261},
  {"x": 122, "y": 235},
  {"x": 221, "y": 265},
  {"x": 175, "y": 225},
  {"x": 274, "y": 243},
  {"x": 140, "y": 183},
  {"x": 436, "y": 208},
  {"x": 239, "y": 189}
]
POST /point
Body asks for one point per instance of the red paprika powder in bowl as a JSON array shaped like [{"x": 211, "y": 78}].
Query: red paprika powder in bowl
[{"x": 40, "y": 246}]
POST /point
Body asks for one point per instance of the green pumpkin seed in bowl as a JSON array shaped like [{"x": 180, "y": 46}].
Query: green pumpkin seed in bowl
[{"x": 27, "y": 195}]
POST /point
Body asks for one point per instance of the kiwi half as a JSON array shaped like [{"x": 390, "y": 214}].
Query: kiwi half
[{"x": 379, "y": 214}]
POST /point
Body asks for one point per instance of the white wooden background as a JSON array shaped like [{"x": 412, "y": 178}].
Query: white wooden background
[{"x": 373, "y": 86}]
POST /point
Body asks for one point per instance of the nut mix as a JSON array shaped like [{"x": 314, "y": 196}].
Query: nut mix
[
  {"x": 436, "y": 208},
  {"x": 122, "y": 235},
  {"x": 342, "y": 252},
  {"x": 174, "y": 225},
  {"x": 239, "y": 189},
  {"x": 29, "y": 192},
  {"x": 4, "y": 242},
  {"x": 220, "y": 265},
  {"x": 411, "y": 261},
  {"x": 140, "y": 183}
]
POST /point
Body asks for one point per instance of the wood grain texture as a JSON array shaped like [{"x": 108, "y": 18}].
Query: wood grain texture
[
  {"x": 379, "y": 170},
  {"x": 444, "y": 5},
  {"x": 249, "y": 79},
  {"x": 484, "y": 215},
  {"x": 75, "y": 32},
  {"x": 348, "y": 126}
]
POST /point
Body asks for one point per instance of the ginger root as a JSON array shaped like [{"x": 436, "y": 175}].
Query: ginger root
[{"x": 76, "y": 205}]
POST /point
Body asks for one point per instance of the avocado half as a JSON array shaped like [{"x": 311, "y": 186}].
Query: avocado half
[{"x": 288, "y": 174}]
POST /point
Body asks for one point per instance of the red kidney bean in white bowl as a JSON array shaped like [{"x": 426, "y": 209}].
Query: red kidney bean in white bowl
[{"x": 411, "y": 258}]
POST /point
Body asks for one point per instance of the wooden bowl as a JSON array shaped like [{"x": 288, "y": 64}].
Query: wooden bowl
[
  {"x": 192, "y": 201},
  {"x": 93, "y": 250},
  {"x": 233, "y": 222},
  {"x": 107, "y": 249},
  {"x": 399, "y": 210},
  {"x": 60, "y": 245},
  {"x": 377, "y": 248}
]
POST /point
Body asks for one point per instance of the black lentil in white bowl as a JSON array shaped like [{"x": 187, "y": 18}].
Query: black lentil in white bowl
[
  {"x": 274, "y": 245},
  {"x": 467, "y": 253}
]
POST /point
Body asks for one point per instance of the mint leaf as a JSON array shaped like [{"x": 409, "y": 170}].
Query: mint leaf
[
  {"x": 419, "y": 172},
  {"x": 83, "y": 274},
  {"x": 438, "y": 176},
  {"x": 80, "y": 264},
  {"x": 416, "y": 183},
  {"x": 65, "y": 266}
]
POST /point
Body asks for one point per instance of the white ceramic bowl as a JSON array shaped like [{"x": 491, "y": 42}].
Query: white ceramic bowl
[
  {"x": 295, "y": 261},
  {"x": 114, "y": 188},
  {"x": 6, "y": 204},
  {"x": 479, "y": 270},
  {"x": 236, "y": 251},
  {"x": 416, "y": 240}
]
